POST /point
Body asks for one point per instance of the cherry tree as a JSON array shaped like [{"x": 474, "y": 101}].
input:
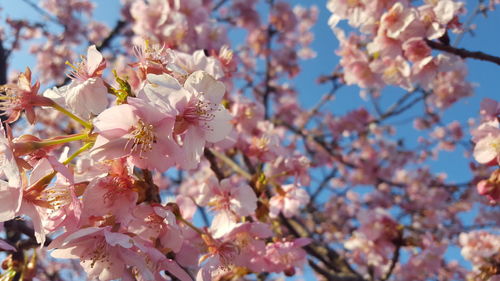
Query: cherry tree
[{"x": 165, "y": 147}]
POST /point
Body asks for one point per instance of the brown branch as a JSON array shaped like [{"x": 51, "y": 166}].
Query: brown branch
[
  {"x": 43, "y": 12},
  {"x": 339, "y": 158},
  {"x": 395, "y": 257},
  {"x": 329, "y": 257},
  {"x": 218, "y": 5},
  {"x": 152, "y": 192},
  {"x": 463, "y": 53},
  {"x": 268, "y": 89},
  {"x": 330, "y": 277},
  {"x": 213, "y": 164},
  {"x": 112, "y": 34}
]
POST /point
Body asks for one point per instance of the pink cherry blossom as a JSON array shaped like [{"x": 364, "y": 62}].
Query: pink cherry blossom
[
  {"x": 103, "y": 254},
  {"x": 87, "y": 94},
  {"x": 288, "y": 200},
  {"x": 230, "y": 200},
  {"x": 10, "y": 199},
  {"x": 200, "y": 118},
  {"x": 136, "y": 130},
  {"x": 397, "y": 19},
  {"x": 157, "y": 224},
  {"x": 21, "y": 97},
  {"x": 479, "y": 246},
  {"x": 286, "y": 255},
  {"x": 487, "y": 149}
]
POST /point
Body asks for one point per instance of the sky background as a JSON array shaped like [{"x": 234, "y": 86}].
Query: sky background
[{"x": 486, "y": 76}]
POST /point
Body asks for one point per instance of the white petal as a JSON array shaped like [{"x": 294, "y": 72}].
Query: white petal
[
  {"x": 204, "y": 84},
  {"x": 220, "y": 126}
]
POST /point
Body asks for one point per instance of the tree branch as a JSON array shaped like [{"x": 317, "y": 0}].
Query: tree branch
[
  {"x": 213, "y": 164},
  {"x": 463, "y": 53}
]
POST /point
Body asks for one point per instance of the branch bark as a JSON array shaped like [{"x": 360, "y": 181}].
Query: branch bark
[{"x": 463, "y": 53}]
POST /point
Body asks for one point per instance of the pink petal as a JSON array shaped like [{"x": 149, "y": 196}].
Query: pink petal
[
  {"x": 94, "y": 59},
  {"x": 10, "y": 201},
  {"x": 115, "y": 120},
  {"x": 220, "y": 125},
  {"x": 204, "y": 84},
  {"x": 194, "y": 144}
]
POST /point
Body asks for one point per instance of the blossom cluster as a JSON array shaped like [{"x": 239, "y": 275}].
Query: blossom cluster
[
  {"x": 173, "y": 150},
  {"x": 96, "y": 185},
  {"x": 393, "y": 47},
  {"x": 486, "y": 150}
]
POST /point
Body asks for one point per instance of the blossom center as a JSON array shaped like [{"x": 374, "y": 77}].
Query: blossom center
[
  {"x": 197, "y": 113},
  {"x": 143, "y": 137},
  {"x": 97, "y": 255},
  {"x": 495, "y": 145},
  {"x": 11, "y": 99},
  {"x": 79, "y": 72}
]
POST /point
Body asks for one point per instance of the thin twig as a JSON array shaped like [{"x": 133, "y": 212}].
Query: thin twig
[
  {"x": 213, "y": 164},
  {"x": 463, "y": 53},
  {"x": 218, "y": 5},
  {"x": 43, "y": 12},
  {"x": 233, "y": 165},
  {"x": 395, "y": 257},
  {"x": 268, "y": 89}
]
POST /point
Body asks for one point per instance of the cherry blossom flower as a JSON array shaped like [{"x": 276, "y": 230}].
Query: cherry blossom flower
[
  {"x": 114, "y": 195},
  {"x": 157, "y": 224},
  {"x": 286, "y": 255},
  {"x": 479, "y": 246},
  {"x": 243, "y": 246},
  {"x": 200, "y": 118},
  {"x": 22, "y": 97},
  {"x": 396, "y": 20},
  {"x": 104, "y": 254},
  {"x": 288, "y": 200},
  {"x": 87, "y": 94},
  {"x": 136, "y": 130},
  {"x": 230, "y": 200}
]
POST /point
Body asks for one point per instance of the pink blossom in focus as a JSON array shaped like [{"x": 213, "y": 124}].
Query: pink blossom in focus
[
  {"x": 21, "y": 97},
  {"x": 136, "y": 130},
  {"x": 200, "y": 118},
  {"x": 87, "y": 94}
]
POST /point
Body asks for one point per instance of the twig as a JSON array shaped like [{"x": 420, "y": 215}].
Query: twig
[
  {"x": 218, "y": 5},
  {"x": 463, "y": 53},
  {"x": 204, "y": 216},
  {"x": 322, "y": 185},
  {"x": 395, "y": 257},
  {"x": 43, "y": 12},
  {"x": 213, "y": 164},
  {"x": 112, "y": 34},
  {"x": 268, "y": 89},
  {"x": 228, "y": 161}
]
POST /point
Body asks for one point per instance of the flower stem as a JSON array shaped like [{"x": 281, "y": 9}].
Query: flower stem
[
  {"x": 199, "y": 231},
  {"x": 72, "y": 116},
  {"x": 78, "y": 152},
  {"x": 228, "y": 161},
  {"x": 61, "y": 140}
]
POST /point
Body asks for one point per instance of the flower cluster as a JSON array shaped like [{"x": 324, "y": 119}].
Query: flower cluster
[
  {"x": 107, "y": 202},
  {"x": 487, "y": 148},
  {"x": 394, "y": 47},
  {"x": 186, "y": 144}
]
